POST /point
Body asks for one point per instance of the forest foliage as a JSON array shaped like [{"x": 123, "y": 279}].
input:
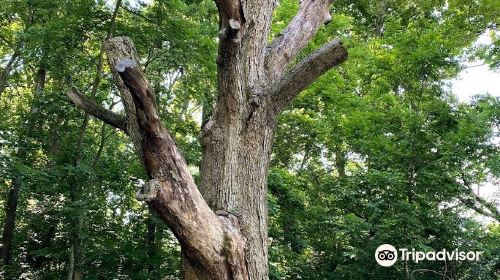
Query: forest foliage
[{"x": 378, "y": 150}]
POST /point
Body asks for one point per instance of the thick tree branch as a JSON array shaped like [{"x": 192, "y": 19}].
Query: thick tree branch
[
  {"x": 229, "y": 67},
  {"x": 311, "y": 14},
  {"x": 306, "y": 72},
  {"x": 171, "y": 191},
  {"x": 231, "y": 28},
  {"x": 142, "y": 95},
  {"x": 94, "y": 109}
]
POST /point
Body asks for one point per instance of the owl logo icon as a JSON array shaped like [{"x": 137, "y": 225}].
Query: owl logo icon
[{"x": 386, "y": 255}]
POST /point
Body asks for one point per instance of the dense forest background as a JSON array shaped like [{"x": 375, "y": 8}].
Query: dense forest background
[{"x": 376, "y": 151}]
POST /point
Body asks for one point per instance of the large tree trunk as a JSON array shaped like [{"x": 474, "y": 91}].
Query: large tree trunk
[
  {"x": 222, "y": 226},
  {"x": 234, "y": 178},
  {"x": 237, "y": 139}
]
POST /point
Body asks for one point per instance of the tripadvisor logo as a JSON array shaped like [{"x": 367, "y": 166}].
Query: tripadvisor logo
[{"x": 387, "y": 255}]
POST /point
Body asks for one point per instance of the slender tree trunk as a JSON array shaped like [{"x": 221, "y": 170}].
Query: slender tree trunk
[
  {"x": 13, "y": 196},
  {"x": 9, "y": 222},
  {"x": 151, "y": 242},
  {"x": 4, "y": 74},
  {"x": 71, "y": 263},
  {"x": 74, "y": 271},
  {"x": 340, "y": 161}
]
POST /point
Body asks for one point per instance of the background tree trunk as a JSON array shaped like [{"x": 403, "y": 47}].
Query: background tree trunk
[
  {"x": 4, "y": 73},
  {"x": 9, "y": 222},
  {"x": 13, "y": 196},
  {"x": 151, "y": 242}
]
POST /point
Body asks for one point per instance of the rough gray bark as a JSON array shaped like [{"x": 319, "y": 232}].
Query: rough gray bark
[
  {"x": 223, "y": 234},
  {"x": 237, "y": 139}
]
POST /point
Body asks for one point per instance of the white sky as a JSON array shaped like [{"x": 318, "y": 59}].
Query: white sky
[{"x": 476, "y": 80}]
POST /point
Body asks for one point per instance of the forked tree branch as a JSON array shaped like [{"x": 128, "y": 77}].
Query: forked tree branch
[
  {"x": 94, "y": 109},
  {"x": 284, "y": 48},
  {"x": 306, "y": 72}
]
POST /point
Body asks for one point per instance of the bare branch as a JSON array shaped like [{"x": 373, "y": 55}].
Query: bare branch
[
  {"x": 311, "y": 14},
  {"x": 92, "y": 108},
  {"x": 471, "y": 204},
  {"x": 305, "y": 72}
]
